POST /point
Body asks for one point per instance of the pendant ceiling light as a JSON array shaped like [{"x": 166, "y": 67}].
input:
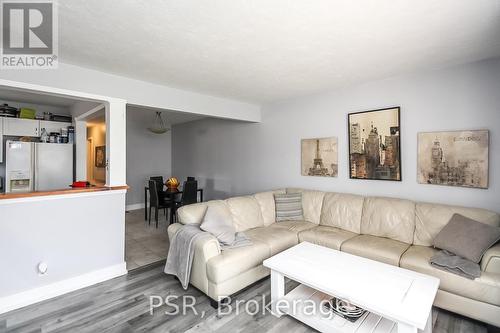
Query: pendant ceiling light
[{"x": 159, "y": 126}]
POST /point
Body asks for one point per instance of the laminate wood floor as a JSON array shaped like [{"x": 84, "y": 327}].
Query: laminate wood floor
[{"x": 123, "y": 305}]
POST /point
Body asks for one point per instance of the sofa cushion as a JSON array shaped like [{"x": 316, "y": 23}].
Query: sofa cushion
[
  {"x": 267, "y": 205},
  {"x": 342, "y": 211},
  {"x": 246, "y": 213},
  {"x": 288, "y": 207},
  {"x": 277, "y": 239},
  {"x": 312, "y": 201},
  {"x": 295, "y": 226},
  {"x": 376, "y": 248},
  {"x": 431, "y": 218},
  {"x": 466, "y": 238},
  {"x": 326, "y": 236},
  {"x": 219, "y": 223},
  {"x": 194, "y": 213},
  {"x": 390, "y": 218},
  {"x": 233, "y": 262},
  {"x": 484, "y": 289}
]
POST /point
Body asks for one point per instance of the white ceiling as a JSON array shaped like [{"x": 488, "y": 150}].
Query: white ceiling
[
  {"x": 97, "y": 118},
  {"x": 267, "y": 50}
]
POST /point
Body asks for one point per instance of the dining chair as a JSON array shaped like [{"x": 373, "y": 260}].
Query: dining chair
[
  {"x": 155, "y": 202},
  {"x": 189, "y": 196},
  {"x": 159, "y": 184}
]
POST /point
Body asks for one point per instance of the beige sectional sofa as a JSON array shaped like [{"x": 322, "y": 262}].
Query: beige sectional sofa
[{"x": 394, "y": 231}]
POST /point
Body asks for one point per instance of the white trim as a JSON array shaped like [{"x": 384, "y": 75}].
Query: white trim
[
  {"x": 39, "y": 294},
  {"x": 135, "y": 206},
  {"x": 47, "y": 90},
  {"x": 60, "y": 196}
]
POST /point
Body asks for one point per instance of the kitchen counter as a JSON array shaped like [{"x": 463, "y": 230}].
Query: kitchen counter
[{"x": 60, "y": 192}]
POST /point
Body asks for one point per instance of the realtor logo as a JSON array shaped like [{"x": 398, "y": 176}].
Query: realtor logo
[{"x": 29, "y": 34}]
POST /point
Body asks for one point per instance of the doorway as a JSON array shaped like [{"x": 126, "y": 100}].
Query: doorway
[{"x": 96, "y": 149}]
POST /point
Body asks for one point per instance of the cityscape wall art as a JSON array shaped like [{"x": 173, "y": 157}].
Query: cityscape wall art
[
  {"x": 375, "y": 145},
  {"x": 457, "y": 158},
  {"x": 319, "y": 157}
]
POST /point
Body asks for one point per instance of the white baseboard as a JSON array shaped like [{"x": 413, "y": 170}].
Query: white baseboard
[
  {"x": 135, "y": 206},
  {"x": 39, "y": 294}
]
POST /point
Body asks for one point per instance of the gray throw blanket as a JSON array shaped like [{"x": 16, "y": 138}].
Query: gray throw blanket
[
  {"x": 240, "y": 240},
  {"x": 181, "y": 251},
  {"x": 452, "y": 263}
]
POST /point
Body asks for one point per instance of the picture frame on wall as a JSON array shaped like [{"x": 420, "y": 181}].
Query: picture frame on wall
[
  {"x": 454, "y": 158},
  {"x": 375, "y": 144},
  {"x": 100, "y": 156},
  {"x": 319, "y": 157}
]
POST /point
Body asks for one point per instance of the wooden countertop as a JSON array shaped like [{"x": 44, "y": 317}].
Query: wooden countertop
[{"x": 63, "y": 191}]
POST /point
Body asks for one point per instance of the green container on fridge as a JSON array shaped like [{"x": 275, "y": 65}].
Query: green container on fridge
[{"x": 27, "y": 113}]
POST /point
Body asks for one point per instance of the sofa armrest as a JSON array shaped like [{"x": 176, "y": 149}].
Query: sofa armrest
[
  {"x": 491, "y": 260},
  {"x": 172, "y": 229},
  {"x": 205, "y": 248}
]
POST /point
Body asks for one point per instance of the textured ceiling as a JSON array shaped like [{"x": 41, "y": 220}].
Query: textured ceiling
[{"x": 268, "y": 50}]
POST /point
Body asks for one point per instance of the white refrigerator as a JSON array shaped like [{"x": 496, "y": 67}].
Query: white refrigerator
[{"x": 32, "y": 166}]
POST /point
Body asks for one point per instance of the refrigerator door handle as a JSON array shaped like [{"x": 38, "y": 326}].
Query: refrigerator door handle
[{"x": 35, "y": 167}]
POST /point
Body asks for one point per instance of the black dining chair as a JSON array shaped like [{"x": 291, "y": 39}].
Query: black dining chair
[
  {"x": 189, "y": 196},
  {"x": 155, "y": 201},
  {"x": 159, "y": 185}
]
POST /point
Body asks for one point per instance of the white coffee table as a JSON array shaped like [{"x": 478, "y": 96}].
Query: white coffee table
[{"x": 397, "y": 300}]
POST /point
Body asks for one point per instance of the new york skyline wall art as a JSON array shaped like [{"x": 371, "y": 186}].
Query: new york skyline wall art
[
  {"x": 454, "y": 158},
  {"x": 375, "y": 145},
  {"x": 319, "y": 157}
]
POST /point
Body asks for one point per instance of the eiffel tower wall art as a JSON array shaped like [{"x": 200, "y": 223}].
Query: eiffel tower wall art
[
  {"x": 319, "y": 157},
  {"x": 375, "y": 145},
  {"x": 458, "y": 158}
]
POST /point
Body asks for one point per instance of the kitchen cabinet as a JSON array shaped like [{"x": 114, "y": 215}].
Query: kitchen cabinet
[
  {"x": 52, "y": 126},
  {"x": 30, "y": 127},
  {"x": 21, "y": 127}
]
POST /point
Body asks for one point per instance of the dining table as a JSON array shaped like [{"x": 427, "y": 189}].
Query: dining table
[{"x": 170, "y": 193}]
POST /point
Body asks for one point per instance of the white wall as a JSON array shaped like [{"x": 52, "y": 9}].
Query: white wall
[
  {"x": 135, "y": 92},
  {"x": 231, "y": 158},
  {"x": 76, "y": 235},
  {"x": 148, "y": 154}
]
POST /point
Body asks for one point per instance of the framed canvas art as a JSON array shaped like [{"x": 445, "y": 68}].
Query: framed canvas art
[
  {"x": 319, "y": 157},
  {"x": 456, "y": 158},
  {"x": 375, "y": 144},
  {"x": 100, "y": 156}
]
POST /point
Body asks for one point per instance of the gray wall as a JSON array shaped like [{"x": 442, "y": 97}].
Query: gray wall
[
  {"x": 148, "y": 154},
  {"x": 74, "y": 235},
  {"x": 231, "y": 158}
]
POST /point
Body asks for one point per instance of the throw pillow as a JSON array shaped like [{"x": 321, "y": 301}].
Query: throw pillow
[
  {"x": 466, "y": 238},
  {"x": 288, "y": 206},
  {"x": 218, "y": 222}
]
